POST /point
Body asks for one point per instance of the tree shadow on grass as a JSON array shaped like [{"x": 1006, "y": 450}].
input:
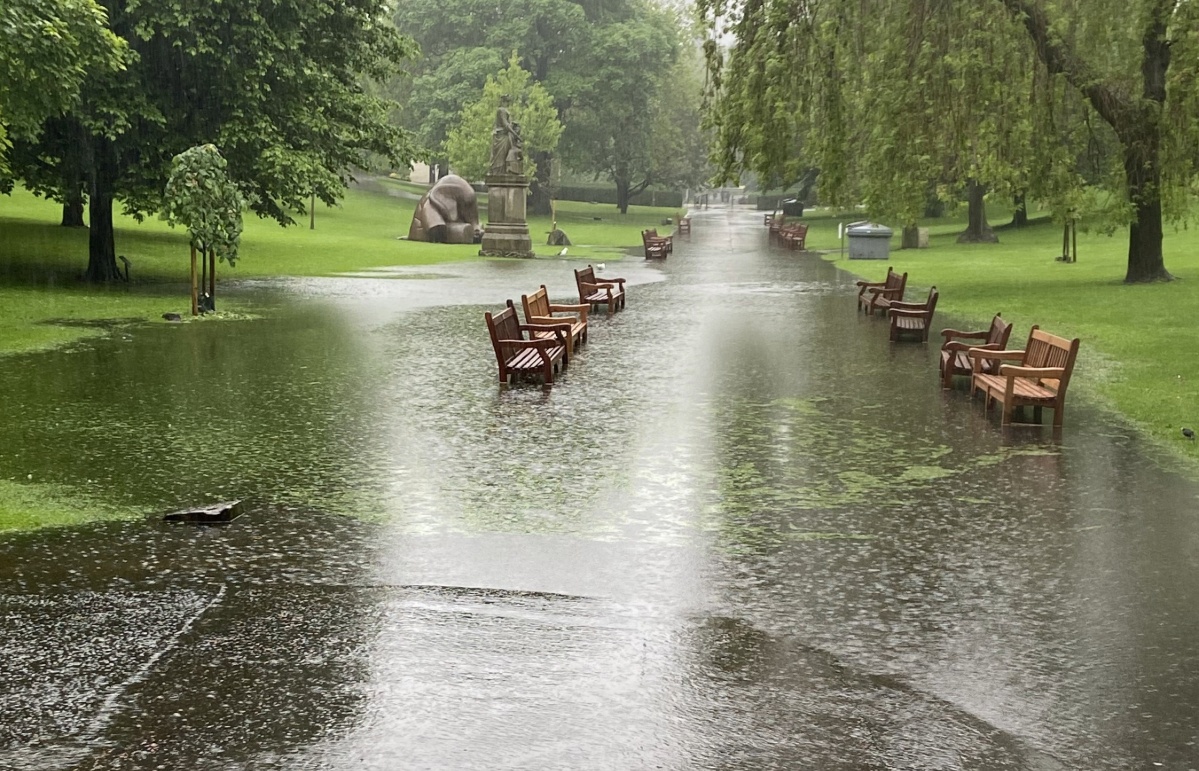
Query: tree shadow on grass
[{"x": 40, "y": 254}]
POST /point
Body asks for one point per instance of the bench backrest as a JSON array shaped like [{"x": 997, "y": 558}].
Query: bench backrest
[
  {"x": 896, "y": 281},
  {"x": 930, "y": 304},
  {"x": 584, "y": 276},
  {"x": 536, "y": 304},
  {"x": 1046, "y": 350},
  {"x": 999, "y": 332},
  {"x": 504, "y": 326}
]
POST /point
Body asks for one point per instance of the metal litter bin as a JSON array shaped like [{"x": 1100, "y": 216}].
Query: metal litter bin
[
  {"x": 869, "y": 241},
  {"x": 792, "y": 207}
]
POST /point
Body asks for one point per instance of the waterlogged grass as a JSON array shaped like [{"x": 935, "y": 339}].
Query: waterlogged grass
[
  {"x": 41, "y": 264},
  {"x": 1137, "y": 340},
  {"x": 28, "y": 505}
]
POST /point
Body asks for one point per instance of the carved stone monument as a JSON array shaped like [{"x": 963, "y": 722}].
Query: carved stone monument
[
  {"x": 447, "y": 214},
  {"x": 507, "y": 231}
]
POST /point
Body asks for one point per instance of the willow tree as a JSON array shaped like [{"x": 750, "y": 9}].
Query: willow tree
[
  {"x": 890, "y": 90},
  {"x": 882, "y": 97}
]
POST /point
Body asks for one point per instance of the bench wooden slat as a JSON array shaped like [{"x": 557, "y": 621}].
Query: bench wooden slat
[
  {"x": 537, "y": 306},
  {"x": 593, "y": 295},
  {"x": 955, "y": 361},
  {"x": 519, "y": 355},
  {"x": 913, "y": 318},
  {"x": 1043, "y": 351},
  {"x": 880, "y": 294}
]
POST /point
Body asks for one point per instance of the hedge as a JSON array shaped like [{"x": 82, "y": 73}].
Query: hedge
[{"x": 607, "y": 194}]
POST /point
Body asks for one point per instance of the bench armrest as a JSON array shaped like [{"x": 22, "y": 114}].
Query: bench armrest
[
  {"x": 990, "y": 353},
  {"x": 542, "y": 343},
  {"x": 588, "y": 288},
  {"x": 880, "y": 292},
  {"x": 581, "y": 309},
  {"x": 551, "y": 322},
  {"x": 948, "y": 333},
  {"x": 898, "y": 306},
  {"x": 954, "y": 345},
  {"x": 868, "y": 284},
  {"x": 1010, "y": 371},
  {"x": 918, "y": 312},
  {"x": 557, "y": 326},
  {"x": 609, "y": 282}
]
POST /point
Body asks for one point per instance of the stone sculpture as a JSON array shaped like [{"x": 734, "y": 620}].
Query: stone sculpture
[
  {"x": 507, "y": 152},
  {"x": 448, "y": 214}
]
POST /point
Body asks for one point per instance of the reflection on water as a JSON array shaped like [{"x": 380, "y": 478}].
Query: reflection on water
[{"x": 743, "y": 531}]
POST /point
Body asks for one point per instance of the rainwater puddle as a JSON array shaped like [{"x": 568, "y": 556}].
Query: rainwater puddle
[{"x": 742, "y": 531}]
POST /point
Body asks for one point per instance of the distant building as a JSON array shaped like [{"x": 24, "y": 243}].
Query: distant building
[{"x": 421, "y": 173}]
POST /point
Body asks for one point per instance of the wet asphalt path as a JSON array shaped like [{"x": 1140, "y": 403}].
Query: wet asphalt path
[{"x": 744, "y": 531}]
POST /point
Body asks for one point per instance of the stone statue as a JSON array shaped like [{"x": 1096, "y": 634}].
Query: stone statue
[
  {"x": 448, "y": 213},
  {"x": 507, "y": 153}
]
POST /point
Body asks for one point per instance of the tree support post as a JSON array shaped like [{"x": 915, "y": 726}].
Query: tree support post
[{"x": 195, "y": 295}]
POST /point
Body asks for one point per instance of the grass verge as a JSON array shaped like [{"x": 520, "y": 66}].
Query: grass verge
[
  {"x": 1136, "y": 339},
  {"x": 43, "y": 303}
]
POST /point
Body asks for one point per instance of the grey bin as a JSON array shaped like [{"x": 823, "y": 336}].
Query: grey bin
[{"x": 869, "y": 241}]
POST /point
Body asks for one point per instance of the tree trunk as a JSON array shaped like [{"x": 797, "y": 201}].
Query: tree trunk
[
  {"x": 102, "y": 253},
  {"x": 1145, "y": 261},
  {"x": 1019, "y": 212},
  {"x": 977, "y": 230},
  {"x": 910, "y": 238},
  {"x": 72, "y": 211},
  {"x": 622, "y": 195}
]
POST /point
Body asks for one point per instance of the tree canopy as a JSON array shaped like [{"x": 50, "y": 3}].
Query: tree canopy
[
  {"x": 469, "y": 143},
  {"x": 888, "y": 97},
  {"x": 47, "y": 48},
  {"x": 606, "y": 64},
  {"x": 278, "y": 86},
  {"x": 200, "y": 196}
]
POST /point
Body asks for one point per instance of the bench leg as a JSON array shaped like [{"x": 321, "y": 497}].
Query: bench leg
[
  {"x": 1007, "y": 414},
  {"x": 1058, "y": 413}
]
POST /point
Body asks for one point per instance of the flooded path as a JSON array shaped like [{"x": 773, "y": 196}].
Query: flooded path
[{"x": 744, "y": 531}]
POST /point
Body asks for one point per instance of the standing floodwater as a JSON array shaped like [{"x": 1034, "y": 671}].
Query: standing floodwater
[{"x": 743, "y": 531}]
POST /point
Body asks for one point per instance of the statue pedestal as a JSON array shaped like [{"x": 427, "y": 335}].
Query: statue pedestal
[{"x": 507, "y": 231}]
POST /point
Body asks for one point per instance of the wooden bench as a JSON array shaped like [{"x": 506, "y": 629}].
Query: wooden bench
[
  {"x": 767, "y": 218},
  {"x": 539, "y": 310},
  {"x": 794, "y": 236},
  {"x": 518, "y": 355},
  {"x": 656, "y": 246},
  {"x": 684, "y": 228},
  {"x": 913, "y": 318},
  {"x": 880, "y": 294},
  {"x": 1037, "y": 376},
  {"x": 654, "y": 250},
  {"x": 597, "y": 290},
  {"x": 955, "y": 360}
]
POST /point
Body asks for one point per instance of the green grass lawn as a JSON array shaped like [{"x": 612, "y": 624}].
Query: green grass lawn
[
  {"x": 44, "y": 304},
  {"x": 1137, "y": 340}
]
